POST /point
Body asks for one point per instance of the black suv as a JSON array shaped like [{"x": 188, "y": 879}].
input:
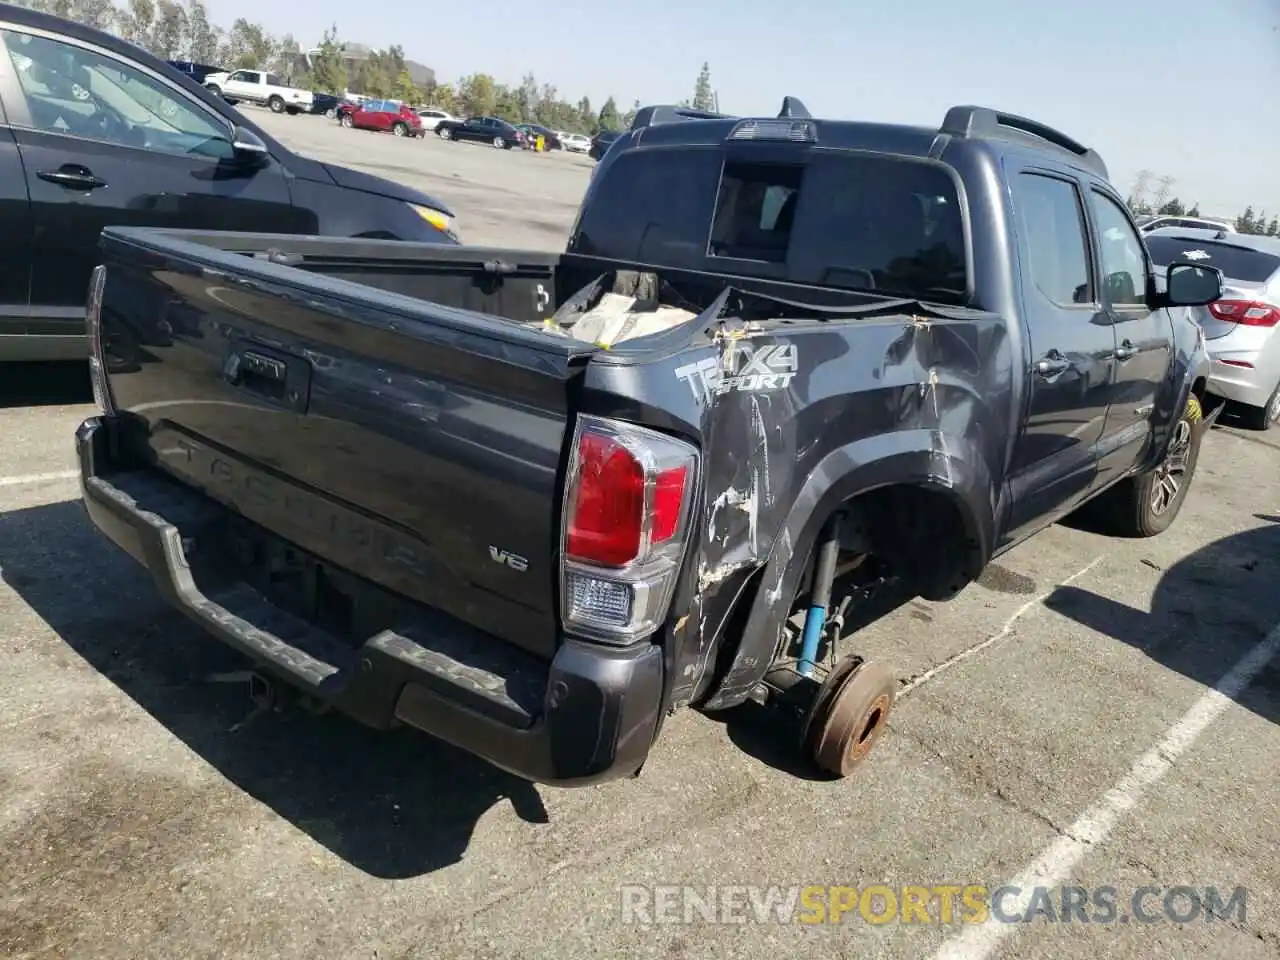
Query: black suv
[{"x": 95, "y": 131}]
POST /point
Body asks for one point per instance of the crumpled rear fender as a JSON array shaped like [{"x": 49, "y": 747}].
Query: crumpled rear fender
[{"x": 926, "y": 458}]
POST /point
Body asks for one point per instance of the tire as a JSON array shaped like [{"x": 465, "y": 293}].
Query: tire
[
  {"x": 346, "y": 120},
  {"x": 499, "y": 143},
  {"x": 275, "y": 104},
  {"x": 331, "y": 113},
  {"x": 1147, "y": 505},
  {"x": 444, "y": 133},
  {"x": 292, "y": 111},
  {"x": 214, "y": 89},
  {"x": 1262, "y": 418},
  {"x": 399, "y": 130}
]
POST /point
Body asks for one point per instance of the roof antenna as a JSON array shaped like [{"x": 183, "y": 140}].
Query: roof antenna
[{"x": 792, "y": 108}]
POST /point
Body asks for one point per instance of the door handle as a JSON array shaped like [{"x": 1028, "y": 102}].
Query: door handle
[
  {"x": 1052, "y": 364},
  {"x": 1126, "y": 351},
  {"x": 73, "y": 176}
]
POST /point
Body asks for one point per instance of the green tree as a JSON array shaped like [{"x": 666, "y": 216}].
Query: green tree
[
  {"x": 478, "y": 95},
  {"x": 203, "y": 38},
  {"x": 1246, "y": 223},
  {"x": 704, "y": 97},
  {"x": 1195, "y": 210},
  {"x": 1173, "y": 208},
  {"x": 405, "y": 90},
  {"x": 609, "y": 119},
  {"x": 169, "y": 33},
  {"x": 328, "y": 68},
  {"x": 137, "y": 22},
  {"x": 1273, "y": 228}
]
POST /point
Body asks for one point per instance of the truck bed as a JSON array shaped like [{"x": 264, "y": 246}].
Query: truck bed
[{"x": 382, "y": 406}]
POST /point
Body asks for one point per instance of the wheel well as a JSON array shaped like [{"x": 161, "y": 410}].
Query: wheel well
[
  {"x": 1198, "y": 388},
  {"x": 922, "y": 534},
  {"x": 916, "y": 536}
]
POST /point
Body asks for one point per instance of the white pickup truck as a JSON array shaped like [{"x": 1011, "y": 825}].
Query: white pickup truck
[{"x": 258, "y": 86}]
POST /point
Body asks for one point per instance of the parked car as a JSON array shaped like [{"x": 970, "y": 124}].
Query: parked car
[
  {"x": 145, "y": 146},
  {"x": 1241, "y": 328},
  {"x": 532, "y": 131},
  {"x": 256, "y": 86},
  {"x": 326, "y": 104},
  {"x": 385, "y": 115},
  {"x": 196, "y": 71},
  {"x": 544, "y": 499},
  {"x": 432, "y": 117},
  {"x": 576, "y": 142},
  {"x": 601, "y": 143},
  {"x": 1149, "y": 223},
  {"x": 491, "y": 130}
]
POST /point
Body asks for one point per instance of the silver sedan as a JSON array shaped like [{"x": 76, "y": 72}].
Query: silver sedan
[{"x": 1241, "y": 328}]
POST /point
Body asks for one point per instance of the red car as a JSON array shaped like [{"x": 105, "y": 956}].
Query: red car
[{"x": 382, "y": 115}]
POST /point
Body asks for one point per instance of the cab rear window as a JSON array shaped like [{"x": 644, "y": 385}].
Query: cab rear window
[{"x": 867, "y": 222}]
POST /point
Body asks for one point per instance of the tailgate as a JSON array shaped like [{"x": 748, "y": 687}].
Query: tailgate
[{"x": 413, "y": 444}]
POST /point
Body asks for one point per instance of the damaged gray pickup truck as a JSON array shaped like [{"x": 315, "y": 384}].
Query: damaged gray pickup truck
[{"x": 532, "y": 503}]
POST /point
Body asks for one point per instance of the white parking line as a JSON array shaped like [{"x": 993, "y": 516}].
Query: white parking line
[
  {"x": 1009, "y": 624},
  {"x": 1094, "y": 826},
  {"x": 26, "y": 478}
]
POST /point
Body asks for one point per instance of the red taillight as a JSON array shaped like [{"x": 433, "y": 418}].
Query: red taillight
[
  {"x": 608, "y": 518},
  {"x": 1251, "y": 313},
  {"x": 607, "y": 513},
  {"x": 668, "y": 501},
  {"x": 625, "y": 522}
]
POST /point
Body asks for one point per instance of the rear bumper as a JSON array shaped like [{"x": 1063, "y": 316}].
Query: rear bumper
[
  {"x": 589, "y": 715},
  {"x": 1248, "y": 385}
]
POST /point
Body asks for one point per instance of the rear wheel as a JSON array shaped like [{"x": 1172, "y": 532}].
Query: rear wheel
[
  {"x": 399, "y": 129},
  {"x": 499, "y": 143},
  {"x": 275, "y": 104},
  {"x": 1262, "y": 418},
  {"x": 331, "y": 113},
  {"x": 214, "y": 89},
  {"x": 1146, "y": 505},
  {"x": 346, "y": 120},
  {"x": 444, "y": 133}
]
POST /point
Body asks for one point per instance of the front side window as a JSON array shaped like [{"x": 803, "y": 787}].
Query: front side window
[
  {"x": 74, "y": 91},
  {"x": 1124, "y": 260}
]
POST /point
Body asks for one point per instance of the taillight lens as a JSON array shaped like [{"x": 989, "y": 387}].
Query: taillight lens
[
  {"x": 1251, "y": 313},
  {"x": 625, "y": 522},
  {"x": 93, "y": 329}
]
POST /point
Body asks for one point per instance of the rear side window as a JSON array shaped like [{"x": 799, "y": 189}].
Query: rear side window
[
  {"x": 884, "y": 224},
  {"x": 876, "y": 223},
  {"x": 1235, "y": 262},
  {"x": 1051, "y": 223}
]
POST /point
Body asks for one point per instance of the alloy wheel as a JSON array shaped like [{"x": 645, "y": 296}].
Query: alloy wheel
[{"x": 1170, "y": 474}]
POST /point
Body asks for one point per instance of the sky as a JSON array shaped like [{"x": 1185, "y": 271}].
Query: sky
[{"x": 1183, "y": 88}]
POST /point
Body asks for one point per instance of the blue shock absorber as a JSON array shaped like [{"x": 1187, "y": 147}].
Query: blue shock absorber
[{"x": 820, "y": 597}]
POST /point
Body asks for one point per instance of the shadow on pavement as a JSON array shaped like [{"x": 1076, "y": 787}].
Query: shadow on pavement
[
  {"x": 45, "y": 384},
  {"x": 1209, "y": 610},
  {"x": 394, "y": 805}
]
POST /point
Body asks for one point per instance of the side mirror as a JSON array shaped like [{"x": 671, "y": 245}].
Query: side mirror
[
  {"x": 1191, "y": 285},
  {"x": 248, "y": 147}
]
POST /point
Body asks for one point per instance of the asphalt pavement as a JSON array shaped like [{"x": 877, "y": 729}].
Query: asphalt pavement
[{"x": 1094, "y": 715}]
